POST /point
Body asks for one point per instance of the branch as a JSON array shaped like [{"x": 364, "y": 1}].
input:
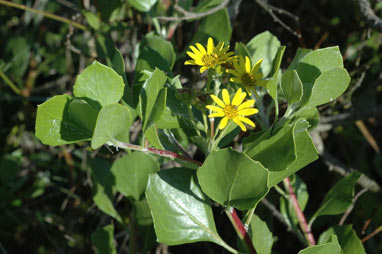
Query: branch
[
  {"x": 44, "y": 13},
  {"x": 348, "y": 211},
  {"x": 300, "y": 215},
  {"x": 192, "y": 15},
  {"x": 368, "y": 14}
]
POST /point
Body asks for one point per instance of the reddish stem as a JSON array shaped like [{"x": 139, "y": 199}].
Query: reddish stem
[{"x": 300, "y": 215}]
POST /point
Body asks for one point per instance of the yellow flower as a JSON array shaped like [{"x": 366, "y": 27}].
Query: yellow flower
[
  {"x": 236, "y": 111},
  {"x": 209, "y": 57},
  {"x": 246, "y": 75}
]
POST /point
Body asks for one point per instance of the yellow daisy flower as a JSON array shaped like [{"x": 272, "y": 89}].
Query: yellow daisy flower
[
  {"x": 236, "y": 111},
  {"x": 247, "y": 75},
  {"x": 209, "y": 57}
]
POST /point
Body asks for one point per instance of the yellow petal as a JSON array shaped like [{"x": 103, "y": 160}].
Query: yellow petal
[
  {"x": 203, "y": 69},
  {"x": 246, "y": 120},
  {"x": 218, "y": 114},
  {"x": 246, "y": 104},
  {"x": 241, "y": 125},
  {"x": 226, "y": 97},
  {"x": 223, "y": 123},
  {"x": 214, "y": 108},
  {"x": 201, "y": 49},
  {"x": 218, "y": 101},
  {"x": 195, "y": 50},
  {"x": 238, "y": 98},
  {"x": 256, "y": 68},
  {"x": 247, "y": 111},
  {"x": 247, "y": 64},
  {"x": 210, "y": 46},
  {"x": 192, "y": 55},
  {"x": 236, "y": 80}
]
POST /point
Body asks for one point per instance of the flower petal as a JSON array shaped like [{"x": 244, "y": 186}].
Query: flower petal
[
  {"x": 192, "y": 55},
  {"x": 201, "y": 49},
  {"x": 190, "y": 62},
  {"x": 225, "y": 95},
  {"x": 210, "y": 46},
  {"x": 256, "y": 67},
  {"x": 247, "y": 64},
  {"x": 218, "y": 101},
  {"x": 246, "y": 120},
  {"x": 241, "y": 125},
  {"x": 246, "y": 104},
  {"x": 218, "y": 114},
  {"x": 223, "y": 123},
  {"x": 238, "y": 98},
  {"x": 247, "y": 111},
  {"x": 195, "y": 50},
  {"x": 214, "y": 108}
]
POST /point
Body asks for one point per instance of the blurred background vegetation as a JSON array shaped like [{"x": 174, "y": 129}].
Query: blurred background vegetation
[{"x": 45, "y": 192}]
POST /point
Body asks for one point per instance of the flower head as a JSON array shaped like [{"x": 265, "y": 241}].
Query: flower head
[
  {"x": 209, "y": 57},
  {"x": 246, "y": 75},
  {"x": 235, "y": 110}
]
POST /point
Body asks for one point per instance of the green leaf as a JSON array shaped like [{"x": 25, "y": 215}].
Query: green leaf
[
  {"x": 242, "y": 50},
  {"x": 92, "y": 19},
  {"x": 338, "y": 199},
  {"x": 317, "y": 62},
  {"x": 99, "y": 83},
  {"x": 310, "y": 114},
  {"x": 142, "y": 5},
  {"x": 151, "y": 134},
  {"x": 220, "y": 31},
  {"x": 180, "y": 210},
  {"x": 300, "y": 53},
  {"x": 103, "y": 240},
  {"x": 158, "y": 108},
  {"x": 265, "y": 46},
  {"x": 272, "y": 85},
  {"x": 160, "y": 45},
  {"x": 233, "y": 179},
  {"x": 204, "y": 6},
  {"x": 329, "y": 86},
  {"x": 104, "y": 187},
  {"x": 55, "y": 127},
  {"x": 291, "y": 86},
  {"x": 112, "y": 121},
  {"x": 83, "y": 114},
  {"x": 347, "y": 237},
  {"x": 261, "y": 236},
  {"x": 131, "y": 173},
  {"x": 331, "y": 248},
  {"x": 149, "y": 60},
  {"x": 118, "y": 65},
  {"x": 149, "y": 93}
]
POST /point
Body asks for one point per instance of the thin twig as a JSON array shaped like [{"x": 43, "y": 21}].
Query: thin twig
[
  {"x": 44, "y": 13},
  {"x": 348, "y": 211},
  {"x": 379, "y": 229},
  {"x": 300, "y": 215},
  {"x": 10, "y": 83},
  {"x": 193, "y": 15},
  {"x": 276, "y": 213},
  {"x": 368, "y": 14}
]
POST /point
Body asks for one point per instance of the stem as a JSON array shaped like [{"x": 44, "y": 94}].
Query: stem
[
  {"x": 379, "y": 229},
  {"x": 44, "y": 13},
  {"x": 10, "y": 83},
  {"x": 248, "y": 217},
  {"x": 240, "y": 229},
  {"x": 300, "y": 215},
  {"x": 163, "y": 153}
]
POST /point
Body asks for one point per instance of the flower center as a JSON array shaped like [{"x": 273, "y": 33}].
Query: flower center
[
  {"x": 248, "y": 79},
  {"x": 230, "y": 111},
  {"x": 210, "y": 60}
]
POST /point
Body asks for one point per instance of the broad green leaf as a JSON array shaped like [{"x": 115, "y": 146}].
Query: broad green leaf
[
  {"x": 160, "y": 45},
  {"x": 104, "y": 188},
  {"x": 158, "y": 108},
  {"x": 291, "y": 86},
  {"x": 310, "y": 114},
  {"x": 168, "y": 120},
  {"x": 54, "y": 125},
  {"x": 149, "y": 60},
  {"x": 305, "y": 151},
  {"x": 204, "y": 6},
  {"x": 149, "y": 93},
  {"x": 99, "y": 83},
  {"x": 339, "y": 197},
  {"x": 317, "y": 62},
  {"x": 151, "y": 134},
  {"x": 277, "y": 61},
  {"x": 112, "y": 121},
  {"x": 233, "y": 179},
  {"x": 300, "y": 53},
  {"x": 118, "y": 65},
  {"x": 347, "y": 237},
  {"x": 142, "y": 5},
  {"x": 142, "y": 212},
  {"x": 131, "y": 173},
  {"x": 209, "y": 27},
  {"x": 105, "y": 48},
  {"x": 83, "y": 114},
  {"x": 92, "y": 19},
  {"x": 261, "y": 236},
  {"x": 265, "y": 46},
  {"x": 145, "y": 226},
  {"x": 180, "y": 210},
  {"x": 287, "y": 209},
  {"x": 330, "y": 248},
  {"x": 242, "y": 50},
  {"x": 272, "y": 85},
  {"x": 103, "y": 240},
  {"x": 329, "y": 86}
]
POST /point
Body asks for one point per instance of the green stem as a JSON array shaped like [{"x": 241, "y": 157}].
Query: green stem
[
  {"x": 215, "y": 142},
  {"x": 248, "y": 217},
  {"x": 44, "y": 13},
  {"x": 9, "y": 83}
]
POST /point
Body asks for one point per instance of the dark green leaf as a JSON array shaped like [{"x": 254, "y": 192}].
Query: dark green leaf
[
  {"x": 160, "y": 45},
  {"x": 291, "y": 86},
  {"x": 118, "y": 65},
  {"x": 158, "y": 108},
  {"x": 300, "y": 53},
  {"x": 233, "y": 179},
  {"x": 92, "y": 19},
  {"x": 261, "y": 236},
  {"x": 131, "y": 173},
  {"x": 142, "y": 5},
  {"x": 103, "y": 240},
  {"x": 83, "y": 114},
  {"x": 330, "y": 248}
]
